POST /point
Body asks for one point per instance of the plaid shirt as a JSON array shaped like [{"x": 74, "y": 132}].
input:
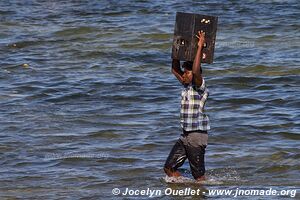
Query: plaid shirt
[{"x": 192, "y": 114}]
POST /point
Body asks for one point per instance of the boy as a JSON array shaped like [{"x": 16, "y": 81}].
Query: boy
[{"x": 194, "y": 122}]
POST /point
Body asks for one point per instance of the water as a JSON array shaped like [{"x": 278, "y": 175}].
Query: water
[{"x": 96, "y": 106}]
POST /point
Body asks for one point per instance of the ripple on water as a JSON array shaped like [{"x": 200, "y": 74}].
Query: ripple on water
[
  {"x": 104, "y": 134},
  {"x": 213, "y": 177}
]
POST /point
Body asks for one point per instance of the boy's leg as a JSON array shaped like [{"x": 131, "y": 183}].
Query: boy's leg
[
  {"x": 175, "y": 159},
  {"x": 196, "y": 160},
  {"x": 195, "y": 147}
]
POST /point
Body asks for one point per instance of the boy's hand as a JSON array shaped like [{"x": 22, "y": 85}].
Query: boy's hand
[{"x": 201, "y": 37}]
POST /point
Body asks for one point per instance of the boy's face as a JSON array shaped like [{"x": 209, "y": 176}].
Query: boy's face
[{"x": 187, "y": 76}]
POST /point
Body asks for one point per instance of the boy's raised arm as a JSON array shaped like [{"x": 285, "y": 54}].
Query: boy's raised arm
[{"x": 197, "y": 61}]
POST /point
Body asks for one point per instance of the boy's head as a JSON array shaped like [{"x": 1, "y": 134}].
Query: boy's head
[
  {"x": 187, "y": 65},
  {"x": 188, "y": 74}
]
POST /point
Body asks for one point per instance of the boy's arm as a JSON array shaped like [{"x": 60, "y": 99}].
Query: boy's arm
[
  {"x": 177, "y": 71},
  {"x": 197, "y": 61}
]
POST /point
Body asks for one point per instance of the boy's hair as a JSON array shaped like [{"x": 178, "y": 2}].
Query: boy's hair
[{"x": 188, "y": 65}]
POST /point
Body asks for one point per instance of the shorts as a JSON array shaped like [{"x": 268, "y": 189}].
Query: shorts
[{"x": 191, "y": 145}]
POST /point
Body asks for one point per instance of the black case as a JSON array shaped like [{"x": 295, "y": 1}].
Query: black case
[{"x": 185, "y": 41}]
